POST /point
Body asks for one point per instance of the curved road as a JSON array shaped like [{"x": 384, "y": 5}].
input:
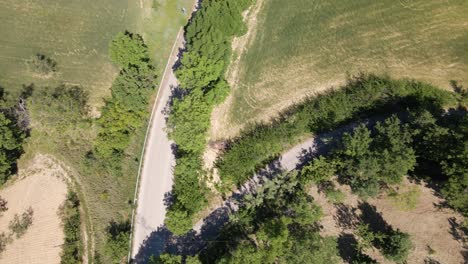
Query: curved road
[{"x": 156, "y": 173}]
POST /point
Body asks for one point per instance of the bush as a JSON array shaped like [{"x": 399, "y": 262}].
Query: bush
[
  {"x": 20, "y": 224},
  {"x": 4, "y": 241},
  {"x": 3, "y": 205},
  {"x": 396, "y": 246},
  {"x": 127, "y": 49},
  {"x": 117, "y": 243},
  {"x": 72, "y": 247},
  {"x": 43, "y": 65}
]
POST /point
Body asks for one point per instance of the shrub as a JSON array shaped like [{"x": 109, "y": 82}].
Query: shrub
[
  {"x": 43, "y": 65},
  {"x": 117, "y": 243},
  {"x": 396, "y": 246},
  {"x": 20, "y": 224},
  {"x": 3, "y": 205},
  {"x": 4, "y": 241},
  {"x": 128, "y": 49},
  {"x": 72, "y": 247}
]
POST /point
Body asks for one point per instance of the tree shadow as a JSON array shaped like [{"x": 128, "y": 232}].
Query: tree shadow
[
  {"x": 346, "y": 216},
  {"x": 164, "y": 241},
  {"x": 374, "y": 219},
  {"x": 347, "y": 247}
]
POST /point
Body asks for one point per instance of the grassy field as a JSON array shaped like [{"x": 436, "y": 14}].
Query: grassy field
[
  {"x": 306, "y": 46},
  {"x": 76, "y": 34}
]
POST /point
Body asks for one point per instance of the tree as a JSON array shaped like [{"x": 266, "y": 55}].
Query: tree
[
  {"x": 396, "y": 246},
  {"x": 118, "y": 236},
  {"x": 319, "y": 170},
  {"x": 11, "y": 138},
  {"x": 370, "y": 159},
  {"x": 128, "y": 49}
]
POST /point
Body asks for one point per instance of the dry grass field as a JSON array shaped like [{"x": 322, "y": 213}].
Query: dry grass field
[
  {"x": 41, "y": 186},
  {"x": 305, "y": 46},
  {"x": 428, "y": 225}
]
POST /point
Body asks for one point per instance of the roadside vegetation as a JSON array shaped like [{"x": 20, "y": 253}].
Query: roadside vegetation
[
  {"x": 431, "y": 146},
  {"x": 202, "y": 84},
  {"x": 72, "y": 248}
]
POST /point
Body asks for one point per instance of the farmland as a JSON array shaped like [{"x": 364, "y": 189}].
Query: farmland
[
  {"x": 307, "y": 46},
  {"x": 76, "y": 36}
]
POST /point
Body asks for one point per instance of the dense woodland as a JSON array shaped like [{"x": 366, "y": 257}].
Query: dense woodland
[{"x": 202, "y": 84}]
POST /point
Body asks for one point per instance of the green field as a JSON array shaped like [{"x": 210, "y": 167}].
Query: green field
[
  {"x": 76, "y": 34},
  {"x": 306, "y": 46}
]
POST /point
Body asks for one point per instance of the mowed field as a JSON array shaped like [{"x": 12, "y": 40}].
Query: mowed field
[
  {"x": 76, "y": 35},
  {"x": 306, "y": 46}
]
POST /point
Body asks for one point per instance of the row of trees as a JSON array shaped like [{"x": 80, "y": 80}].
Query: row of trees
[
  {"x": 201, "y": 77},
  {"x": 125, "y": 110},
  {"x": 362, "y": 96}
]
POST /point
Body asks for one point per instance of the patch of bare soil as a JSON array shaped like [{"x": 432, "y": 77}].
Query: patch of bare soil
[
  {"x": 433, "y": 229},
  {"x": 219, "y": 126},
  {"x": 41, "y": 186}
]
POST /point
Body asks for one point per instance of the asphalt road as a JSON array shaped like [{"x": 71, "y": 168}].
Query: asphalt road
[{"x": 156, "y": 173}]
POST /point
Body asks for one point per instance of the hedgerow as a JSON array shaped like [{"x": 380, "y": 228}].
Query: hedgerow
[
  {"x": 360, "y": 97},
  {"x": 125, "y": 110},
  {"x": 201, "y": 77}
]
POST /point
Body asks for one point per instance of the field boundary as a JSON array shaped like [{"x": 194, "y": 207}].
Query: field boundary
[{"x": 143, "y": 151}]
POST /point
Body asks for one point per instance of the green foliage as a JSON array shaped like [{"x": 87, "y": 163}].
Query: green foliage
[
  {"x": 42, "y": 64},
  {"x": 11, "y": 138},
  {"x": 20, "y": 224},
  {"x": 396, "y": 246},
  {"x": 363, "y": 96},
  {"x": 319, "y": 170},
  {"x": 367, "y": 161},
  {"x": 333, "y": 195},
  {"x": 166, "y": 259},
  {"x": 72, "y": 247},
  {"x": 125, "y": 110},
  {"x": 406, "y": 200},
  {"x": 277, "y": 224},
  {"x": 128, "y": 49},
  {"x": 117, "y": 244},
  {"x": 201, "y": 75}
]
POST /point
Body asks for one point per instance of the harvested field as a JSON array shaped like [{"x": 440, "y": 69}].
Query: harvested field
[
  {"x": 307, "y": 46},
  {"x": 41, "y": 186}
]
